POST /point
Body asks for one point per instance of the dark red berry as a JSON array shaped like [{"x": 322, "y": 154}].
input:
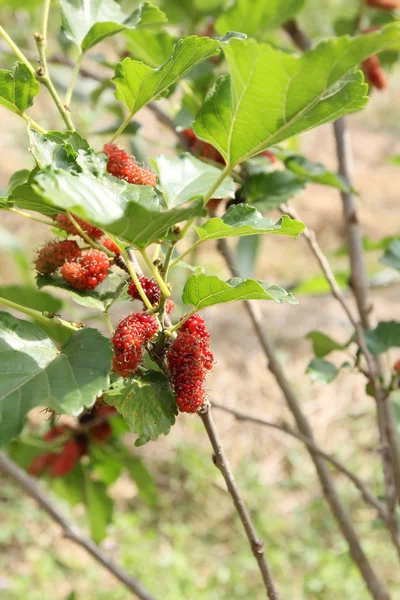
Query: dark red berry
[
  {"x": 88, "y": 271},
  {"x": 111, "y": 246},
  {"x": 101, "y": 433},
  {"x": 65, "y": 461},
  {"x": 129, "y": 338},
  {"x": 396, "y": 366},
  {"x": 123, "y": 166},
  {"x": 63, "y": 222},
  {"x": 56, "y": 432},
  {"x": 54, "y": 254},
  {"x": 384, "y": 4},
  {"x": 152, "y": 291},
  {"x": 374, "y": 73}
]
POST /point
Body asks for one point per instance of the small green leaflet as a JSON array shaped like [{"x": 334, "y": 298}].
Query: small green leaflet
[
  {"x": 88, "y": 22},
  {"x": 110, "y": 291},
  {"x": 131, "y": 212},
  {"x": 256, "y": 17},
  {"x": 99, "y": 507},
  {"x": 391, "y": 258},
  {"x": 207, "y": 290},
  {"x": 18, "y": 87},
  {"x": 26, "y": 198},
  {"x": 59, "y": 149},
  {"x": 269, "y": 190},
  {"x": 151, "y": 47},
  {"x": 272, "y": 95},
  {"x": 242, "y": 219},
  {"x": 34, "y": 373},
  {"x": 323, "y": 344},
  {"x": 322, "y": 370},
  {"x": 17, "y": 178},
  {"x": 147, "y": 405},
  {"x": 385, "y": 336},
  {"x": 137, "y": 83},
  {"x": 183, "y": 178}
]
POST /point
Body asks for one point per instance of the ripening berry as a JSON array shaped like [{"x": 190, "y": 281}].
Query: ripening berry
[
  {"x": 129, "y": 338},
  {"x": 189, "y": 358},
  {"x": 55, "y": 432},
  {"x": 54, "y": 254},
  {"x": 101, "y": 433},
  {"x": 65, "y": 461},
  {"x": 269, "y": 155},
  {"x": 384, "y": 4},
  {"x": 123, "y": 166},
  {"x": 62, "y": 222},
  {"x": 40, "y": 464},
  {"x": 111, "y": 246},
  {"x": 201, "y": 148},
  {"x": 88, "y": 271},
  {"x": 152, "y": 291},
  {"x": 396, "y": 366},
  {"x": 374, "y": 73}
]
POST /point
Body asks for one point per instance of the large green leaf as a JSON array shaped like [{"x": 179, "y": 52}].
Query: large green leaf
[
  {"x": 111, "y": 290},
  {"x": 151, "y": 47},
  {"x": 59, "y": 149},
  {"x": 316, "y": 172},
  {"x": 385, "y": 336},
  {"x": 34, "y": 373},
  {"x": 99, "y": 507},
  {"x": 137, "y": 83},
  {"x": 269, "y": 190},
  {"x": 256, "y": 17},
  {"x": 147, "y": 405},
  {"x": 322, "y": 370},
  {"x": 242, "y": 219},
  {"x": 207, "y": 290},
  {"x": 88, "y": 22},
  {"x": 323, "y": 344},
  {"x": 18, "y": 87},
  {"x": 182, "y": 178},
  {"x": 131, "y": 212},
  {"x": 391, "y": 258},
  {"x": 272, "y": 95},
  {"x": 24, "y": 196}
]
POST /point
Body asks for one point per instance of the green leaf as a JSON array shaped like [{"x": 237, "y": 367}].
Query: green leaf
[
  {"x": 136, "y": 83},
  {"x": 256, "y": 17},
  {"x": 25, "y": 197},
  {"x": 17, "y": 178},
  {"x": 31, "y": 298},
  {"x": 99, "y": 507},
  {"x": 183, "y": 178},
  {"x": 316, "y": 172},
  {"x": 18, "y": 87},
  {"x": 271, "y": 95},
  {"x": 151, "y": 47},
  {"x": 242, "y": 219},
  {"x": 131, "y": 212},
  {"x": 34, "y": 373},
  {"x": 385, "y": 336},
  {"x": 105, "y": 465},
  {"x": 144, "y": 481},
  {"x": 269, "y": 190},
  {"x": 59, "y": 149},
  {"x": 323, "y": 344},
  {"x": 322, "y": 370},
  {"x": 71, "y": 486},
  {"x": 318, "y": 285},
  {"x": 88, "y": 22},
  {"x": 207, "y": 290},
  {"x": 247, "y": 251},
  {"x": 391, "y": 258},
  {"x": 110, "y": 291},
  {"x": 147, "y": 405}
]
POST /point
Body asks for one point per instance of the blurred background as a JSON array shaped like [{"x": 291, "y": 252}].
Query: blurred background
[{"x": 187, "y": 541}]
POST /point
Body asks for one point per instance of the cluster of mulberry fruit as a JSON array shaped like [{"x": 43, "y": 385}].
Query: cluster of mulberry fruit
[
  {"x": 86, "y": 272},
  {"x": 129, "y": 339},
  {"x": 152, "y": 291},
  {"x": 189, "y": 358},
  {"x": 123, "y": 166}
]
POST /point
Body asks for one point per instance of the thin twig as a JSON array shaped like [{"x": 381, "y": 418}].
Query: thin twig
[
  {"x": 70, "y": 531},
  {"x": 339, "y": 511},
  {"x": 222, "y": 463},
  {"x": 366, "y": 493}
]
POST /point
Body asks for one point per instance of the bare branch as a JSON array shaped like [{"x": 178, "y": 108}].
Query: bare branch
[
  {"x": 222, "y": 463},
  {"x": 366, "y": 493},
  {"x": 31, "y": 488}
]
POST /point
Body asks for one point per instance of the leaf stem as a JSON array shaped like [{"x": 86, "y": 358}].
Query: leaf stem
[
  {"x": 68, "y": 95},
  {"x": 88, "y": 239},
  {"x": 224, "y": 173},
  {"x": 121, "y": 129},
  {"x": 108, "y": 321},
  {"x": 178, "y": 325},
  {"x": 33, "y": 124},
  {"x": 52, "y": 321},
  {"x": 156, "y": 274},
  {"x": 135, "y": 278},
  {"x": 187, "y": 251},
  {"x": 20, "y": 55},
  {"x": 28, "y": 216},
  {"x": 167, "y": 262}
]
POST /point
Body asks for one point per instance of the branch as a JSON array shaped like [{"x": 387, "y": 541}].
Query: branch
[
  {"x": 366, "y": 493},
  {"x": 375, "y": 586},
  {"x": 222, "y": 463},
  {"x": 31, "y": 488}
]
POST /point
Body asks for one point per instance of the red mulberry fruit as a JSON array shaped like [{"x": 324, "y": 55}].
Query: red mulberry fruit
[
  {"x": 87, "y": 272},
  {"x": 111, "y": 246},
  {"x": 374, "y": 73},
  {"x": 384, "y": 4},
  {"x": 128, "y": 340},
  {"x": 123, "y": 166},
  {"x": 152, "y": 291},
  {"x": 54, "y": 254}
]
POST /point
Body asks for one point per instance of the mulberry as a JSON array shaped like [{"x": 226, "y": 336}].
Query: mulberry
[
  {"x": 123, "y": 166},
  {"x": 54, "y": 254},
  {"x": 88, "y": 271},
  {"x": 111, "y": 246},
  {"x": 384, "y": 4},
  {"x": 374, "y": 73},
  {"x": 152, "y": 291},
  {"x": 62, "y": 222},
  {"x": 128, "y": 340}
]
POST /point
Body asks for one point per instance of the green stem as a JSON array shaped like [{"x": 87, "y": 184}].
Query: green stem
[
  {"x": 108, "y": 321},
  {"x": 68, "y": 96},
  {"x": 359, "y": 17},
  {"x": 167, "y": 261},
  {"x": 172, "y": 329},
  {"x": 187, "y": 251},
  {"x": 156, "y": 274},
  {"x": 35, "y": 314},
  {"x": 33, "y": 124},
  {"x": 28, "y": 216},
  {"x": 224, "y": 173},
  {"x": 122, "y": 127},
  {"x": 88, "y": 239},
  {"x": 16, "y": 50},
  {"x": 45, "y": 17},
  {"x": 135, "y": 278}
]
